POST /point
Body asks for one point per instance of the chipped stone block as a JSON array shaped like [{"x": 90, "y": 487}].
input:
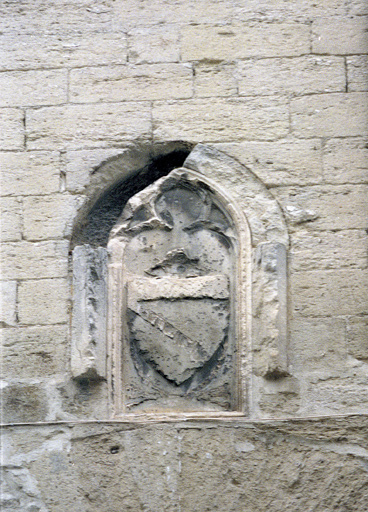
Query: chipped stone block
[
  {"x": 23, "y": 403},
  {"x": 119, "y": 83},
  {"x": 11, "y": 129},
  {"x": 49, "y": 216},
  {"x": 27, "y": 260},
  {"x": 218, "y": 120},
  {"x": 330, "y": 115},
  {"x": 32, "y": 88},
  {"x": 345, "y": 161},
  {"x": 8, "y": 303},
  {"x": 299, "y": 75},
  {"x": 269, "y": 340},
  {"x": 34, "y": 352},
  {"x": 327, "y": 35},
  {"x": 237, "y": 41},
  {"x": 87, "y": 125},
  {"x": 29, "y": 173},
  {"x": 43, "y": 301},
  {"x": 357, "y": 335},
  {"x": 11, "y": 219},
  {"x": 88, "y": 356}
]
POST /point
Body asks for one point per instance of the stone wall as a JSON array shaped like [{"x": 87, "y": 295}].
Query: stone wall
[{"x": 96, "y": 92}]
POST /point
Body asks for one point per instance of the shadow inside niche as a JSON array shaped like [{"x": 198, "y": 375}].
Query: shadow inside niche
[{"x": 95, "y": 227}]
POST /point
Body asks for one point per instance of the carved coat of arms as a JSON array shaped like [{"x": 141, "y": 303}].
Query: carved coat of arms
[{"x": 178, "y": 267}]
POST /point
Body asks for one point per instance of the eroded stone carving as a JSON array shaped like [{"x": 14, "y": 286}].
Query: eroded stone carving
[{"x": 173, "y": 275}]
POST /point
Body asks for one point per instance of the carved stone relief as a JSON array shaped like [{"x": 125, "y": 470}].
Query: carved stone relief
[{"x": 176, "y": 249}]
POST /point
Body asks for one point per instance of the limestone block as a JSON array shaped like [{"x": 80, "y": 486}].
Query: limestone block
[
  {"x": 281, "y": 162},
  {"x": 28, "y": 88},
  {"x": 326, "y": 35},
  {"x": 51, "y": 51},
  {"x": 120, "y": 83},
  {"x": 56, "y": 17},
  {"x": 27, "y": 260},
  {"x": 19, "y": 490},
  {"x": 330, "y": 115},
  {"x": 269, "y": 297},
  {"x": 23, "y": 403},
  {"x": 239, "y": 41},
  {"x": 214, "y": 80},
  {"x": 330, "y": 292},
  {"x": 88, "y": 356},
  {"x": 30, "y": 173},
  {"x": 11, "y": 128},
  {"x": 154, "y": 44},
  {"x": 277, "y": 398},
  {"x": 79, "y": 166},
  {"x": 87, "y": 125},
  {"x": 217, "y": 120},
  {"x": 8, "y": 303},
  {"x": 43, "y": 301},
  {"x": 357, "y": 335},
  {"x": 357, "y": 73},
  {"x": 299, "y": 75},
  {"x": 357, "y": 7},
  {"x": 317, "y": 345},
  {"x": 11, "y": 219},
  {"x": 345, "y": 161},
  {"x": 34, "y": 352},
  {"x": 325, "y": 207},
  {"x": 49, "y": 216},
  {"x": 313, "y": 250}
]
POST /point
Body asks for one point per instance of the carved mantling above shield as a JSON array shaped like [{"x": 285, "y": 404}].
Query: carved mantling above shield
[{"x": 176, "y": 298}]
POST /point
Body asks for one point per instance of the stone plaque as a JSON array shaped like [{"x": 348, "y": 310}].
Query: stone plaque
[{"x": 172, "y": 316}]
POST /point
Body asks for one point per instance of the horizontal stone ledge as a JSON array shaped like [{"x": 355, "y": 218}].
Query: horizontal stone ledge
[{"x": 145, "y": 288}]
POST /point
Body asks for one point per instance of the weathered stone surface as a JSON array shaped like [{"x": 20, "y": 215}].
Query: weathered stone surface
[
  {"x": 144, "y": 82},
  {"x": 8, "y": 303},
  {"x": 326, "y": 207},
  {"x": 87, "y": 125},
  {"x": 357, "y": 336},
  {"x": 218, "y": 120},
  {"x": 32, "y": 88},
  {"x": 278, "y": 397},
  {"x": 27, "y": 260},
  {"x": 52, "y": 51},
  {"x": 313, "y": 250},
  {"x": 269, "y": 295},
  {"x": 330, "y": 293},
  {"x": 34, "y": 173},
  {"x": 89, "y": 317},
  {"x": 154, "y": 44},
  {"x": 345, "y": 161},
  {"x": 318, "y": 345},
  {"x": 326, "y": 35},
  {"x": 48, "y": 217},
  {"x": 330, "y": 115},
  {"x": 43, "y": 301},
  {"x": 19, "y": 491},
  {"x": 34, "y": 352},
  {"x": 357, "y": 73},
  {"x": 214, "y": 80},
  {"x": 11, "y": 128},
  {"x": 280, "y": 163},
  {"x": 299, "y": 75},
  {"x": 23, "y": 403},
  {"x": 11, "y": 219},
  {"x": 231, "y": 42}
]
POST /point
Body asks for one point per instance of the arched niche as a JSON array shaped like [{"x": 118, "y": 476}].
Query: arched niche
[{"x": 215, "y": 377}]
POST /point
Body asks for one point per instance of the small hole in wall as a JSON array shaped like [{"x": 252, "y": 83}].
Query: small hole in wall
[{"x": 115, "y": 449}]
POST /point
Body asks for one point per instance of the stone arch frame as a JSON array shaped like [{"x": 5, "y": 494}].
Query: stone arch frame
[{"x": 266, "y": 283}]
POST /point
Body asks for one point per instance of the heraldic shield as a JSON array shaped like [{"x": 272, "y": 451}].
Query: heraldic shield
[{"x": 176, "y": 254}]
